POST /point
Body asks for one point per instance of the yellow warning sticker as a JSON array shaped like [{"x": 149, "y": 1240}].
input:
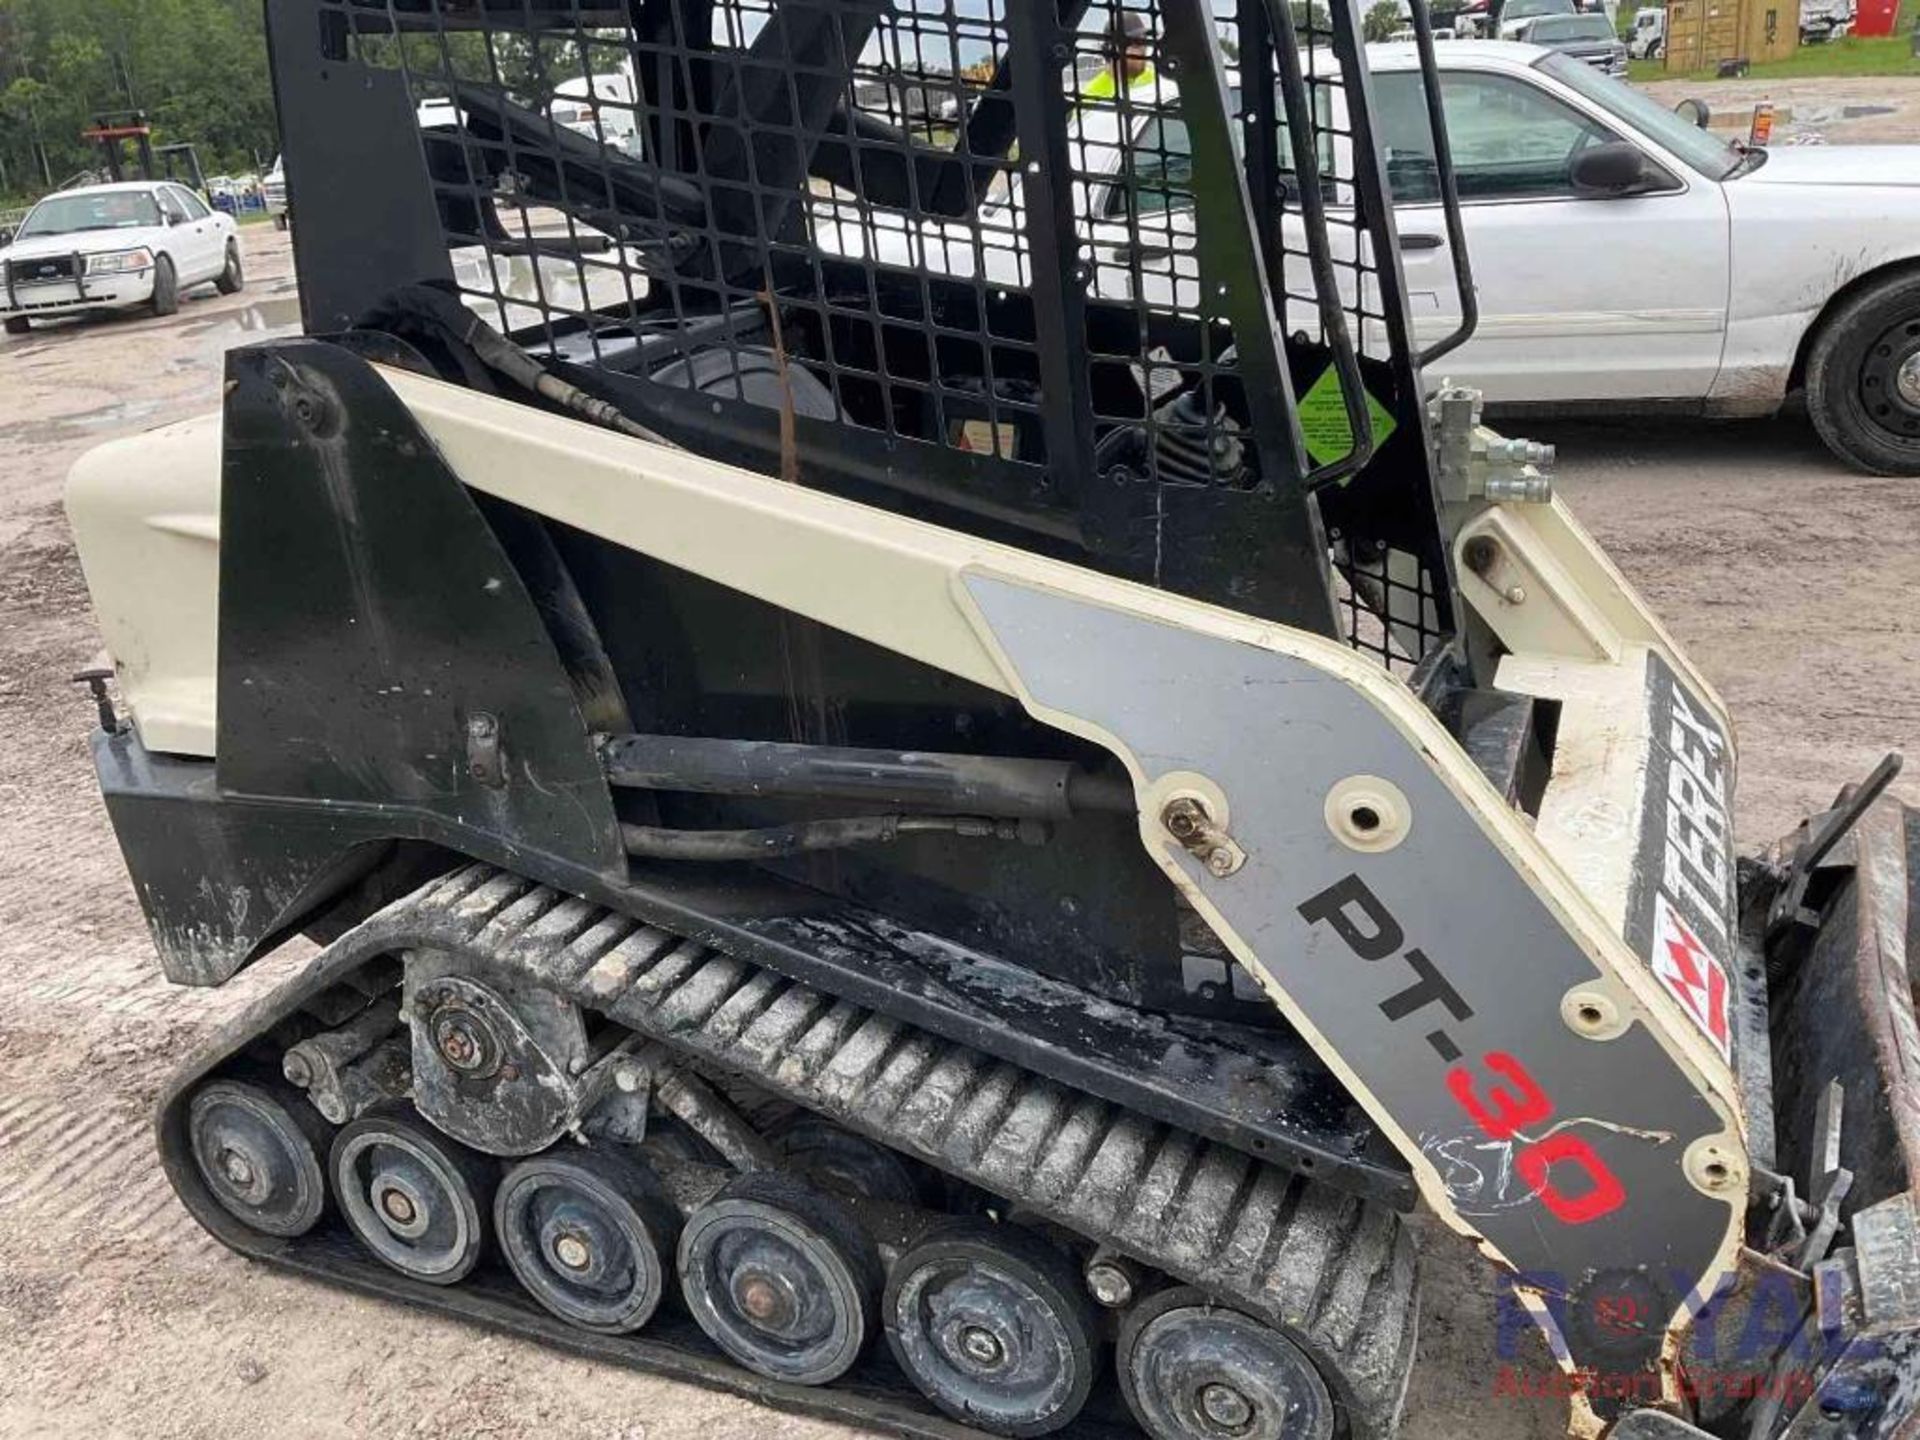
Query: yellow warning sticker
[{"x": 1323, "y": 420}]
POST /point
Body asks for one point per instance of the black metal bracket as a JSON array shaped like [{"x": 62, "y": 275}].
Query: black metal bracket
[
  {"x": 1449, "y": 192},
  {"x": 1790, "y": 911},
  {"x": 96, "y": 682}
]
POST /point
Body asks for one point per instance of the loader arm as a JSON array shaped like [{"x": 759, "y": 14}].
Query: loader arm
[{"x": 1559, "y": 1108}]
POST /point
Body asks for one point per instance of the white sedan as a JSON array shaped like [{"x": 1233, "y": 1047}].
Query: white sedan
[
  {"x": 1622, "y": 258},
  {"x": 115, "y": 247},
  {"x": 1625, "y": 259}
]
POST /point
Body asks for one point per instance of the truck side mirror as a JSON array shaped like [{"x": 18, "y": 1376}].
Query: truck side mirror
[{"x": 1612, "y": 168}]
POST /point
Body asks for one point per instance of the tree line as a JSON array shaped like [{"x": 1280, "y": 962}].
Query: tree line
[{"x": 197, "y": 68}]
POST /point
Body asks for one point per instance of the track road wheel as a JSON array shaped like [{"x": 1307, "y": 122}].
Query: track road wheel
[
  {"x": 258, "y": 1148},
  {"x": 782, "y": 1278},
  {"x": 1863, "y": 377},
  {"x": 590, "y": 1234},
  {"x": 993, "y": 1324},
  {"x": 415, "y": 1198},
  {"x": 1191, "y": 1370},
  {"x": 848, "y": 1164}
]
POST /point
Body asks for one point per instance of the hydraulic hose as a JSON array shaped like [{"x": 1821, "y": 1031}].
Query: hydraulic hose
[{"x": 650, "y": 842}]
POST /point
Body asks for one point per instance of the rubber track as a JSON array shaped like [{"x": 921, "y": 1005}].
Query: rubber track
[{"x": 1335, "y": 1272}]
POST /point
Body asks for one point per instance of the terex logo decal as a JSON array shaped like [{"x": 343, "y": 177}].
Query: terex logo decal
[
  {"x": 1695, "y": 863},
  {"x": 1681, "y": 915},
  {"x": 1690, "y": 971}
]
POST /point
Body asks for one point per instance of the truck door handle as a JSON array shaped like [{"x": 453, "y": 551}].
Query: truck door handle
[{"x": 1421, "y": 242}]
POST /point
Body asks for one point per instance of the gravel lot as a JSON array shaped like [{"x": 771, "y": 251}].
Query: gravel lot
[{"x": 1793, "y": 582}]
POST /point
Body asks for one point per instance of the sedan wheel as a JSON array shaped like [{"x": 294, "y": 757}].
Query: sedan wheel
[
  {"x": 166, "y": 287},
  {"x": 233, "y": 279},
  {"x": 1863, "y": 378}
]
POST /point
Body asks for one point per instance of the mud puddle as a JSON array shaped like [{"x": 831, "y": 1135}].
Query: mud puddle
[
  {"x": 87, "y": 422},
  {"x": 261, "y": 320}
]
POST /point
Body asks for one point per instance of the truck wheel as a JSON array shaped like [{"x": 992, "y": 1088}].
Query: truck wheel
[
  {"x": 1863, "y": 378},
  {"x": 166, "y": 287},
  {"x": 18, "y": 325},
  {"x": 233, "y": 279}
]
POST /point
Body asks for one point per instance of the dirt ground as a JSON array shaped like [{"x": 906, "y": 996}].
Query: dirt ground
[
  {"x": 1792, "y": 581},
  {"x": 1854, "y": 110}
]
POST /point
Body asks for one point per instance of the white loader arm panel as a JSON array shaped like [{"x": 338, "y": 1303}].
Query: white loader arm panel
[{"x": 1554, "y": 1100}]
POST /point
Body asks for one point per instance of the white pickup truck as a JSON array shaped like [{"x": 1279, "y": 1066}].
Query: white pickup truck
[
  {"x": 1622, "y": 257},
  {"x": 1648, "y": 38},
  {"x": 1824, "y": 20}
]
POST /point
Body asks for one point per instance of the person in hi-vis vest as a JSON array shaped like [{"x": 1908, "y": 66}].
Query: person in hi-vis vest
[{"x": 1129, "y": 52}]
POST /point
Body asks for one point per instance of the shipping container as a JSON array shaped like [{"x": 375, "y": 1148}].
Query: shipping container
[{"x": 1706, "y": 34}]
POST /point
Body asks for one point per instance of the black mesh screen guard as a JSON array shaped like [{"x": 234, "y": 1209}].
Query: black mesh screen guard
[{"x": 1110, "y": 279}]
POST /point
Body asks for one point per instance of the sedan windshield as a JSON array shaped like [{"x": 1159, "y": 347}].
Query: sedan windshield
[
  {"x": 102, "y": 210},
  {"x": 1705, "y": 152},
  {"x": 1560, "y": 29},
  {"x": 1527, "y": 9}
]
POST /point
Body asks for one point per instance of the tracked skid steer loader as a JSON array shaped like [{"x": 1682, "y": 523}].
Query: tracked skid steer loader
[{"x": 936, "y": 775}]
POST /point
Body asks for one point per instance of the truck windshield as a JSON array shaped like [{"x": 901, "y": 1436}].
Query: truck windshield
[
  {"x": 1711, "y": 156},
  {"x": 111, "y": 210}
]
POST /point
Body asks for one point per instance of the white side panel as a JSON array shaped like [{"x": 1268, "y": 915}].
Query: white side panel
[{"x": 145, "y": 512}]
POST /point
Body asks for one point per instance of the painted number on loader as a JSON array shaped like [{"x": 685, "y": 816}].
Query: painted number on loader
[
  {"x": 1499, "y": 1094},
  {"x": 1505, "y": 1108}
]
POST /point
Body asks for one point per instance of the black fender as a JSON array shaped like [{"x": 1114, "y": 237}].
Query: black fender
[{"x": 385, "y": 672}]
